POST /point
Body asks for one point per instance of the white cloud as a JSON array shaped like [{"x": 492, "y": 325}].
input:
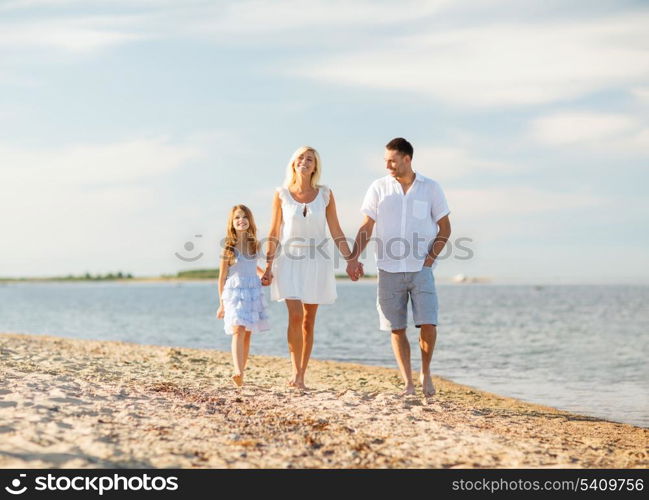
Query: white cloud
[
  {"x": 73, "y": 204},
  {"x": 73, "y": 34},
  {"x": 501, "y": 65},
  {"x": 244, "y": 22},
  {"x": 515, "y": 201},
  {"x": 602, "y": 132},
  {"x": 87, "y": 165},
  {"x": 642, "y": 94},
  {"x": 569, "y": 128},
  {"x": 446, "y": 163}
]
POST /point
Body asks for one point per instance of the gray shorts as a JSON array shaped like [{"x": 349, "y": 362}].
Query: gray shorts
[{"x": 395, "y": 289}]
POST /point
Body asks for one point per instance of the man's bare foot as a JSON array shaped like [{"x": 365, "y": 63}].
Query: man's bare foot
[
  {"x": 409, "y": 390},
  {"x": 427, "y": 384},
  {"x": 237, "y": 379},
  {"x": 291, "y": 382}
]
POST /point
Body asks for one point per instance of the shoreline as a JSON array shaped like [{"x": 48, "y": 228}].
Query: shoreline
[{"x": 82, "y": 403}]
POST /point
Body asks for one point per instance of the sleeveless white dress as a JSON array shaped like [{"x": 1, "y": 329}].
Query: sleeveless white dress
[
  {"x": 243, "y": 298},
  {"x": 303, "y": 268}
]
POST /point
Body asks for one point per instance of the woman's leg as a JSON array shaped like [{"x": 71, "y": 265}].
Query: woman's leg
[
  {"x": 238, "y": 354},
  {"x": 246, "y": 348},
  {"x": 308, "y": 326},
  {"x": 294, "y": 336}
]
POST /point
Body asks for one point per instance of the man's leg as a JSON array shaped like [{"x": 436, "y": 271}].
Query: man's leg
[
  {"x": 427, "y": 338},
  {"x": 401, "y": 348},
  {"x": 424, "y": 311},
  {"x": 392, "y": 305}
]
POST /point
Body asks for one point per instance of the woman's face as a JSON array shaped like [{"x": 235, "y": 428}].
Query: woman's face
[
  {"x": 240, "y": 220},
  {"x": 305, "y": 164}
]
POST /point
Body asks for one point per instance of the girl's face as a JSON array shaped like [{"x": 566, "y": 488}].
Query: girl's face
[
  {"x": 240, "y": 220},
  {"x": 305, "y": 163}
]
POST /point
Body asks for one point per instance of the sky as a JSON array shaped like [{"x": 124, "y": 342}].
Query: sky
[{"x": 129, "y": 128}]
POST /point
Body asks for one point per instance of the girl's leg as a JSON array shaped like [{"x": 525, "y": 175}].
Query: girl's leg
[
  {"x": 238, "y": 355},
  {"x": 246, "y": 348},
  {"x": 308, "y": 325},
  {"x": 294, "y": 336}
]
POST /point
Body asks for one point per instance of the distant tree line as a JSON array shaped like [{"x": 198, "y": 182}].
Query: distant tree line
[{"x": 96, "y": 277}]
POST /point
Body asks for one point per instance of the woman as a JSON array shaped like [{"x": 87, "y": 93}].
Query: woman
[{"x": 301, "y": 273}]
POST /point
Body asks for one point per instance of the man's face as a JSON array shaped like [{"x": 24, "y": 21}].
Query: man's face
[{"x": 396, "y": 163}]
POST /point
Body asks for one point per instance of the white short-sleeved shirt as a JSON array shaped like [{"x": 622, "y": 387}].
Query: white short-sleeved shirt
[{"x": 406, "y": 225}]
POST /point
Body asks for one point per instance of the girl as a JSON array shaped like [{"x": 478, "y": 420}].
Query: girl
[{"x": 241, "y": 299}]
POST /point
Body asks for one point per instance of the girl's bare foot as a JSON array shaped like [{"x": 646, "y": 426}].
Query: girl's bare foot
[
  {"x": 237, "y": 379},
  {"x": 427, "y": 385}
]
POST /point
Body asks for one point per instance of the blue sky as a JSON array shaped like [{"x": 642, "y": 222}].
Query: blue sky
[{"x": 129, "y": 127}]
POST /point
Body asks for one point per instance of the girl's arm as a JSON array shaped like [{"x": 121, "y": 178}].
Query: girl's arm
[
  {"x": 335, "y": 230},
  {"x": 273, "y": 238},
  {"x": 223, "y": 274}
]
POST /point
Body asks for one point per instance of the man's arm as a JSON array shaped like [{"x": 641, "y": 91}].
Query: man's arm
[
  {"x": 355, "y": 268},
  {"x": 443, "y": 234}
]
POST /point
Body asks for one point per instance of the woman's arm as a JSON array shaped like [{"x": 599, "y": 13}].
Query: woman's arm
[
  {"x": 223, "y": 274},
  {"x": 335, "y": 230},
  {"x": 273, "y": 238}
]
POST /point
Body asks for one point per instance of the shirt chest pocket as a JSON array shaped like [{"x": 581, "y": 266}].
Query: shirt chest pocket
[{"x": 420, "y": 209}]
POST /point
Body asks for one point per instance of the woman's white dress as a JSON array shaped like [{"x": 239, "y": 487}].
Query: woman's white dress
[{"x": 303, "y": 268}]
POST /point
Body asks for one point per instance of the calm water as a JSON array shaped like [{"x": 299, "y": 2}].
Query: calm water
[{"x": 578, "y": 348}]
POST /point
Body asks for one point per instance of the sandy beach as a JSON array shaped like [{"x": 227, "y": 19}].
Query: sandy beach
[{"x": 90, "y": 404}]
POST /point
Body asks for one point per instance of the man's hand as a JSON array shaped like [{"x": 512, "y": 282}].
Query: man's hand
[
  {"x": 354, "y": 270},
  {"x": 429, "y": 261}
]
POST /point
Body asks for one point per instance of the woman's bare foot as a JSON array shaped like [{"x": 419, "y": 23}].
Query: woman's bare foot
[
  {"x": 237, "y": 379},
  {"x": 427, "y": 384},
  {"x": 297, "y": 382},
  {"x": 409, "y": 390}
]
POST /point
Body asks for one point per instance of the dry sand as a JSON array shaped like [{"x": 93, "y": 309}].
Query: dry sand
[{"x": 77, "y": 403}]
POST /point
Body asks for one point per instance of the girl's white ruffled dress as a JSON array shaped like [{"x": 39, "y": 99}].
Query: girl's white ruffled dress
[
  {"x": 303, "y": 268},
  {"x": 243, "y": 298}
]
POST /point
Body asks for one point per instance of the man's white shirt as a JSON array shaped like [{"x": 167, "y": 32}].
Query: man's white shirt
[{"x": 406, "y": 224}]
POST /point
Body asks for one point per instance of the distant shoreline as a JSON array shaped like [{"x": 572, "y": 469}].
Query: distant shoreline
[{"x": 158, "y": 279}]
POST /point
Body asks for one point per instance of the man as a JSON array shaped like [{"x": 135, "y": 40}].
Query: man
[{"x": 412, "y": 227}]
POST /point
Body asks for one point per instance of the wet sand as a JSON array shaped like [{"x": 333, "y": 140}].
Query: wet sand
[{"x": 91, "y": 404}]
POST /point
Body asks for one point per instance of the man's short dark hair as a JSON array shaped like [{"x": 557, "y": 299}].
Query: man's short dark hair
[{"x": 401, "y": 145}]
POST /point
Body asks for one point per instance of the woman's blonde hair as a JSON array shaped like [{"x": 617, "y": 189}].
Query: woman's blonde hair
[
  {"x": 290, "y": 169},
  {"x": 251, "y": 244}
]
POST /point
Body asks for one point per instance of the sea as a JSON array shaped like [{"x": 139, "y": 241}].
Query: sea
[{"x": 578, "y": 348}]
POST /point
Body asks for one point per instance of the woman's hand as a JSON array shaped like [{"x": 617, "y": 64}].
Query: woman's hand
[
  {"x": 267, "y": 277},
  {"x": 220, "y": 313}
]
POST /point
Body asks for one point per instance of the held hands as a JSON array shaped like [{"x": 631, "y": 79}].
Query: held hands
[
  {"x": 267, "y": 277},
  {"x": 354, "y": 270},
  {"x": 220, "y": 313}
]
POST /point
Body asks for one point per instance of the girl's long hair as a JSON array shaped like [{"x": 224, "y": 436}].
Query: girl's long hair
[
  {"x": 290, "y": 169},
  {"x": 251, "y": 244}
]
